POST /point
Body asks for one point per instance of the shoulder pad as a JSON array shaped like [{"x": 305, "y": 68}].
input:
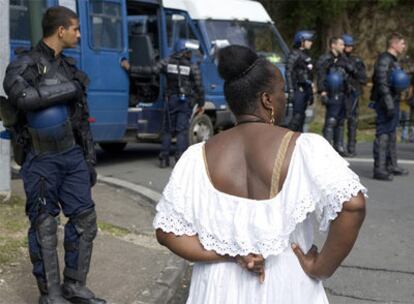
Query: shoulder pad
[
  {"x": 20, "y": 64},
  {"x": 21, "y": 50},
  {"x": 69, "y": 60}
]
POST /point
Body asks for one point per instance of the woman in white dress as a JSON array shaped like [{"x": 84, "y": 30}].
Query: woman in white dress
[{"x": 242, "y": 206}]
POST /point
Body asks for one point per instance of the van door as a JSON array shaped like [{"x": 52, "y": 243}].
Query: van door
[{"x": 103, "y": 45}]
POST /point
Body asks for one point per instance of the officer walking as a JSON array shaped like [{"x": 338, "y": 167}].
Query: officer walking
[
  {"x": 333, "y": 69},
  {"x": 356, "y": 81},
  {"x": 53, "y": 144},
  {"x": 299, "y": 78},
  {"x": 389, "y": 80},
  {"x": 184, "y": 85}
]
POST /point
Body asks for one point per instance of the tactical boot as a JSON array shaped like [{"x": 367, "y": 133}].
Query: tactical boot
[
  {"x": 381, "y": 146},
  {"x": 77, "y": 292},
  {"x": 54, "y": 295},
  {"x": 46, "y": 230},
  {"x": 328, "y": 131},
  {"x": 164, "y": 162},
  {"x": 393, "y": 167},
  {"x": 339, "y": 140},
  {"x": 352, "y": 130}
]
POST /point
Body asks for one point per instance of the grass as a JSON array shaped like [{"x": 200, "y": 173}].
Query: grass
[
  {"x": 13, "y": 227},
  {"x": 112, "y": 229}
]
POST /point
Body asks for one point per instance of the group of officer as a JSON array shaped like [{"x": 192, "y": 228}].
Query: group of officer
[{"x": 340, "y": 78}]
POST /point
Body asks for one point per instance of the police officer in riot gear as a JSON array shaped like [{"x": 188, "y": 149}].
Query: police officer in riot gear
[
  {"x": 46, "y": 93},
  {"x": 333, "y": 70},
  {"x": 356, "y": 81},
  {"x": 184, "y": 86},
  {"x": 299, "y": 78},
  {"x": 388, "y": 82}
]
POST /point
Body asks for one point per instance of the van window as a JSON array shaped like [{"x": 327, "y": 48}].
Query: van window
[
  {"x": 106, "y": 25},
  {"x": 19, "y": 19},
  {"x": 261, "y": 37},
  {"x": 178, "y": 28}
]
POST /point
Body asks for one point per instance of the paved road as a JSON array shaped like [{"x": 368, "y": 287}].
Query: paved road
[{"x": 379, "y": 270}]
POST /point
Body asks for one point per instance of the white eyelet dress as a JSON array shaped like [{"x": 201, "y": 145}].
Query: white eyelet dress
[{"x": 317, "y": 184}]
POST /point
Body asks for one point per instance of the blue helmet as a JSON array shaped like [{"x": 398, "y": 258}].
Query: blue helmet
[
  {"x": 334, "y": 81},
  {"x": 348, "y": 40},
  {"x": 399, "y": 80},
  {"x": 302, "y": 36},
  {"x": 182, "y": 45},
  {"x": 48, "y": 117}
]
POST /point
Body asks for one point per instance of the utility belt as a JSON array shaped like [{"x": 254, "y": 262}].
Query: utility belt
[{"x": 53, "y": 139}]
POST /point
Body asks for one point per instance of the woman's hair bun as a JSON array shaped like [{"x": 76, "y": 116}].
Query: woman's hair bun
[{"x": 233, "y": 60}]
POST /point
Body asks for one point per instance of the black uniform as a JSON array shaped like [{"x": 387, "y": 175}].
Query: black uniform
[
  {"x": 356, "y": 81},
  {"x": 53, "y": 143},
  {"x": 299, "y": 79},
  {"x": 184, "y": 89},
  {"x": 387, "y": 105},
  {"x": 335, "y": 103}
]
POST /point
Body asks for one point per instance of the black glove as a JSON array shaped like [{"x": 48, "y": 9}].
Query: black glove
[{"x": 92, "y": 174}]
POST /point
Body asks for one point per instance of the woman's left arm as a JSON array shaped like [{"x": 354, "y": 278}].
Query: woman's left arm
[{"x": 189, "y": 248}]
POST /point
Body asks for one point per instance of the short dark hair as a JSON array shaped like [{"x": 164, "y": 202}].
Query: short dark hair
[
  {"x": 334, "y": 40},
  {"x": 393, "y": 37},
  {"x": 55, "y": 17},
  {"x": 245, "y": 75}
]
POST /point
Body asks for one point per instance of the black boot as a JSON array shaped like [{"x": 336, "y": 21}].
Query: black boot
[
  {"x": 77, "y": 292},
  {"x": 50, "y": 292},
  {"x": 381, "y": 147},
  {"x": 164, "y": 162},
  {"x": 352, "y": 132},
  {"x": 74, "y": 286},
  {"x": 339, "y": 140},
  {"x": 328, "y": 130},
  {"x": 392, "y": 160}
]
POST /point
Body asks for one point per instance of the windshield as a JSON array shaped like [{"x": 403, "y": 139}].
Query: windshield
[{"x": 260, "y": 37}]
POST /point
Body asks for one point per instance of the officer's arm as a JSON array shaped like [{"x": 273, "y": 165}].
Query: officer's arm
[
  {"x": 83, "y": 133},
  {"x": 322, "y": 69},
  {"x": 362, "y": 73},
  {"x": 198, "y": 84},
  {"x": 290, "y": 64},
  {"x": 27, "y": 97},
  {"x": 148, "y": 70},
  {"x": 381, "y": 78}
]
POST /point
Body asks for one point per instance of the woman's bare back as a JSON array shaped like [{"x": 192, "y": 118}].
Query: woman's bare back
[{"x": 240, "y": 161}]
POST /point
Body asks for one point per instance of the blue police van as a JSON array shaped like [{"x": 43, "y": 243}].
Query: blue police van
[{"x": 144, "y": 31}]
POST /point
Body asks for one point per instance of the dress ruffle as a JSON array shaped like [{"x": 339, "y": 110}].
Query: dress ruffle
[{"x": 318, "y": 181}]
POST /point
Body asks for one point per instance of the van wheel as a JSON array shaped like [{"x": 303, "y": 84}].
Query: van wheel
[
  {"x": 113, "y": 148},
  {"x": 201, "y": 129}
]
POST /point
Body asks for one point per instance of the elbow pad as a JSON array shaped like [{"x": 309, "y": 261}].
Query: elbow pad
[{"x": 32, "y": 99}]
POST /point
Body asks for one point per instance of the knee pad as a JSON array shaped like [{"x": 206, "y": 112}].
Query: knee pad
[
  {"x": 85, "y": 224},
  {"x": 331, "y": 123}
]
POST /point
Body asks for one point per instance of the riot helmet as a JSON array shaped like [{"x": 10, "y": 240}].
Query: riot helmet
[
  {"x": 302, "y": 36},
  {"x": 334, "y": 81},
  {"x": 400, "y": 80},
  {"x": 348, "y": 40}
]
